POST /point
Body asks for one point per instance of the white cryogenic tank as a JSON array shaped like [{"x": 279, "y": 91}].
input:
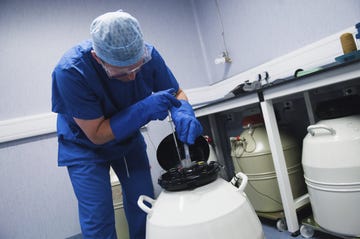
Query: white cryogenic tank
[
  {"x": 251, "y": 154},
  {"x": 195, "y": 202},
  {"x": 331, "y": 163},
  {"x": 217, "y": 210}
]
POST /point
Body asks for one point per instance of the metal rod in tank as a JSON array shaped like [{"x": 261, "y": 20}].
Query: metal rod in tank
[{"x": 174, "y": 136}]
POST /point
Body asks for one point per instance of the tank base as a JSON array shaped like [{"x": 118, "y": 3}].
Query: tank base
[
  {"x": 309, "y": 226},
  {"x": 271, "y": 215},
  {"x": 279, "y": 217}
]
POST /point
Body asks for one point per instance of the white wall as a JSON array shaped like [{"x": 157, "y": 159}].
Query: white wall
[
  {"x": 35, "y": 33},
  {"x": 36, "y": 199},
  {"x": 36, "y": 196},
  {"x": 258, "y": 31}
]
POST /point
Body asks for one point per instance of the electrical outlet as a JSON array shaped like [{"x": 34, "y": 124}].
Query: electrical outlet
[
  {"x": 288, "y": 105},
  {"x": 229, "y": 117},
  {"x": 350, "y": 91}
]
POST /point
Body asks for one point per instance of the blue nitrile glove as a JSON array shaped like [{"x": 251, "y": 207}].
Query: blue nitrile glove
[
  {"x": 188, "y": 128},
  {"x": 153, "y": 107}
]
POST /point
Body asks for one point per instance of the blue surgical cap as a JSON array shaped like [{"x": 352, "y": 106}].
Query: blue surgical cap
[{"x": 117, "y": 38}]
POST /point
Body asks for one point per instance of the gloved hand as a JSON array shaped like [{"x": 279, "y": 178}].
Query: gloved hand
[
  {"x": 153, "y": 107},
  {"x": 187, "y": 127}
]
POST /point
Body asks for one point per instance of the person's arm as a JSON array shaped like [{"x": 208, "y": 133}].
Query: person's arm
[
  {"x": 126, "y": 122},
  {"x": 187, "y": 127},
  {"x": 98, "y": 131},
  {"x": 180, "y": 95}
]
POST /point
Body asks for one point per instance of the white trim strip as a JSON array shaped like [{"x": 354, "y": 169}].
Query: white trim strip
[{"x": 25, "y": 127}]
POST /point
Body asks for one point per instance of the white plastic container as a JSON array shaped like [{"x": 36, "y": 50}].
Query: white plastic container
[
  {"x": 213, "y": 211},
  {"x": 331, "y": 163},
  {"x": 251, "y": 155}
]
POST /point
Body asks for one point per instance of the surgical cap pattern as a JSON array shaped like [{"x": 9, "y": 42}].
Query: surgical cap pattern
[{"x": 117, "y": 38}]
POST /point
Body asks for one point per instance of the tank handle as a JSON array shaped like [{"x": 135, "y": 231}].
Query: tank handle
[
  {"x": 244, "y": 180},
  {"x": 311, "y": 129},
  {"x": 142, "y": 205},
  {"x": 237, "y": 146}
]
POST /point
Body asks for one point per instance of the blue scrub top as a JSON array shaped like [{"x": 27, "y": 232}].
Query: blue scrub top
[{"x": 81, "y": 89}]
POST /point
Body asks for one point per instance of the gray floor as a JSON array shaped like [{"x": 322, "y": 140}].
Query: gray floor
[{"x": 271, "y": 232}]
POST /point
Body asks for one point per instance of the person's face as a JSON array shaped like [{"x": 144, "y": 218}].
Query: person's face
[{"x": 126, "y": 73}]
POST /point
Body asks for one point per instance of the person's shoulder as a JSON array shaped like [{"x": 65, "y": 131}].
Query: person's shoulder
[
  {"x": 84, "y": 47},
  {"x": 155, "y": 54},
  {"x": 79, "y": 50},
  {"x": 149, "y": 47},
  {"x": 76, "y": 54}
]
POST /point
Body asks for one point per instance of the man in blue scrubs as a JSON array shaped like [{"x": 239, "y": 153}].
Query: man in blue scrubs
[{"x": 104, "y": 90}]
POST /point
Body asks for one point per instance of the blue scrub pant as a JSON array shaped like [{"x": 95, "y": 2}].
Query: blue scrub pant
[{"x": 92, "y": 188}]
